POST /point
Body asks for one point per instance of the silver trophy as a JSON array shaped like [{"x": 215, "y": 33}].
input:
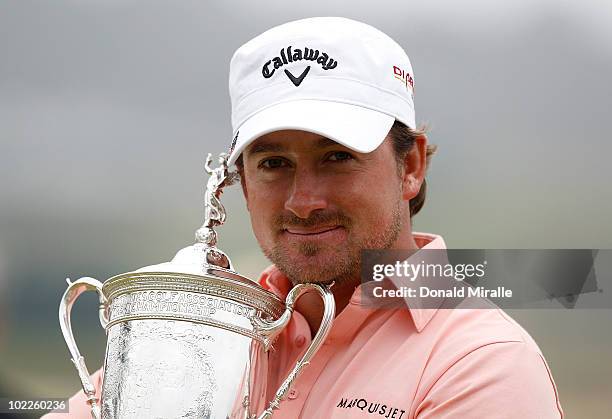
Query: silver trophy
[{"x": 190, "y": 338}]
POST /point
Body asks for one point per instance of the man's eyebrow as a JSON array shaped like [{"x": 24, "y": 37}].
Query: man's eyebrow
[
  {"x": 266, "y": 148},
  {"x": 276, "y": 147},
  {"x": 326, "y": 142}
]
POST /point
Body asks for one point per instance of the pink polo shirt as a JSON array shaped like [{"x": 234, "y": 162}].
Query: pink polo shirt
[{"x": 406, "y": 363}]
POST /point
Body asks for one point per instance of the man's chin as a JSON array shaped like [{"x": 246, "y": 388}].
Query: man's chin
[
  {"x": 313, "y": 264},
  {"x": 313, "y": 269}
]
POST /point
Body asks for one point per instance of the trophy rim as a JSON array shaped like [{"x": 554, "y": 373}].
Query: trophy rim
[{"x": 214, "y": 280}]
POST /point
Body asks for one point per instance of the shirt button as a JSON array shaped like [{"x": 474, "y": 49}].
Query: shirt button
[
  {"x": 293, "y": 394},
  {"x": 300, "y": 341}
]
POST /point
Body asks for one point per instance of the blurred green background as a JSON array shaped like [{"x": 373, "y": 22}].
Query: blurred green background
[{"x": 108, "y": 108}]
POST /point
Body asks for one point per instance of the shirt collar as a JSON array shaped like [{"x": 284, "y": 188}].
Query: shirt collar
[{"x": 275, "y": 281}]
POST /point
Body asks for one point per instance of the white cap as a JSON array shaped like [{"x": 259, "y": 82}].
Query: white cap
[{"x": 333, "y": 76}]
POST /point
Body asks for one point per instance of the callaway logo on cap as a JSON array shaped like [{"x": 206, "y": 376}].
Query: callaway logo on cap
[
  {"x": 292, "y": 55},
  {"x": 332, "y": 76}
]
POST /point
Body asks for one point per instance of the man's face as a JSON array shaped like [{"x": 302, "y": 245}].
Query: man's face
[{"x": 315, "y": 204}]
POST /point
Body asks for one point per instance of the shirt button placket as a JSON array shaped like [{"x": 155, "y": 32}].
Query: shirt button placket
[{"x": 300, "y": 341}]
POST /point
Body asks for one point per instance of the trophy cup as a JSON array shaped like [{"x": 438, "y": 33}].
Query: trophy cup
[{"x": 189, "y": 338}]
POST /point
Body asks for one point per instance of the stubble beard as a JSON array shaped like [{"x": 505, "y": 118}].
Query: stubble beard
[{"x": 341, "y": 264}]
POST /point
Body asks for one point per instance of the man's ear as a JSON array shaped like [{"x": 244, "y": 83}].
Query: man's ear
[{"x": 415, "y": 167}]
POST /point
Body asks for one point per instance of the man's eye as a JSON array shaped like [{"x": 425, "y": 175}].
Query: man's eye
[
  {"x": 273, "y": 163},
  {"x": 340, "y": 156}
]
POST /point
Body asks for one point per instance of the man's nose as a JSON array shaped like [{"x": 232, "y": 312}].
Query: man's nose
[{"x": 307, "y": 194}]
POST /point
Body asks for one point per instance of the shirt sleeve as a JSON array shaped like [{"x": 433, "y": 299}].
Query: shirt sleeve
[
  {"x": 504, "y": 380},
  {"x": 77, "y": 405}
]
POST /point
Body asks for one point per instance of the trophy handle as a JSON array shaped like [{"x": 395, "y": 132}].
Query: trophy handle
[
  {"x": 74, "y": 290},
  {"x": 329, "y": 310}
]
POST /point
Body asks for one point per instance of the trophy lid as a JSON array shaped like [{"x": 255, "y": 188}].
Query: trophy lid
[
  {"x": 192, "y": 260},
  {"x": 188, "y": 260}
]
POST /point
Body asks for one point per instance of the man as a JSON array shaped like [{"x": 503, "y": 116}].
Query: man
[{"x": 331, "y": 163}]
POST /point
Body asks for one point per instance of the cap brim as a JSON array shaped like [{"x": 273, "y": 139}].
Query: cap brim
[{"x": 358, "y": 128}]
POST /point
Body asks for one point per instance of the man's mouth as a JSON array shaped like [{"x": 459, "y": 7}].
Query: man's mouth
[
  {"x": 310, "y": 231},
  {"x": 330, "y": 234}
]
